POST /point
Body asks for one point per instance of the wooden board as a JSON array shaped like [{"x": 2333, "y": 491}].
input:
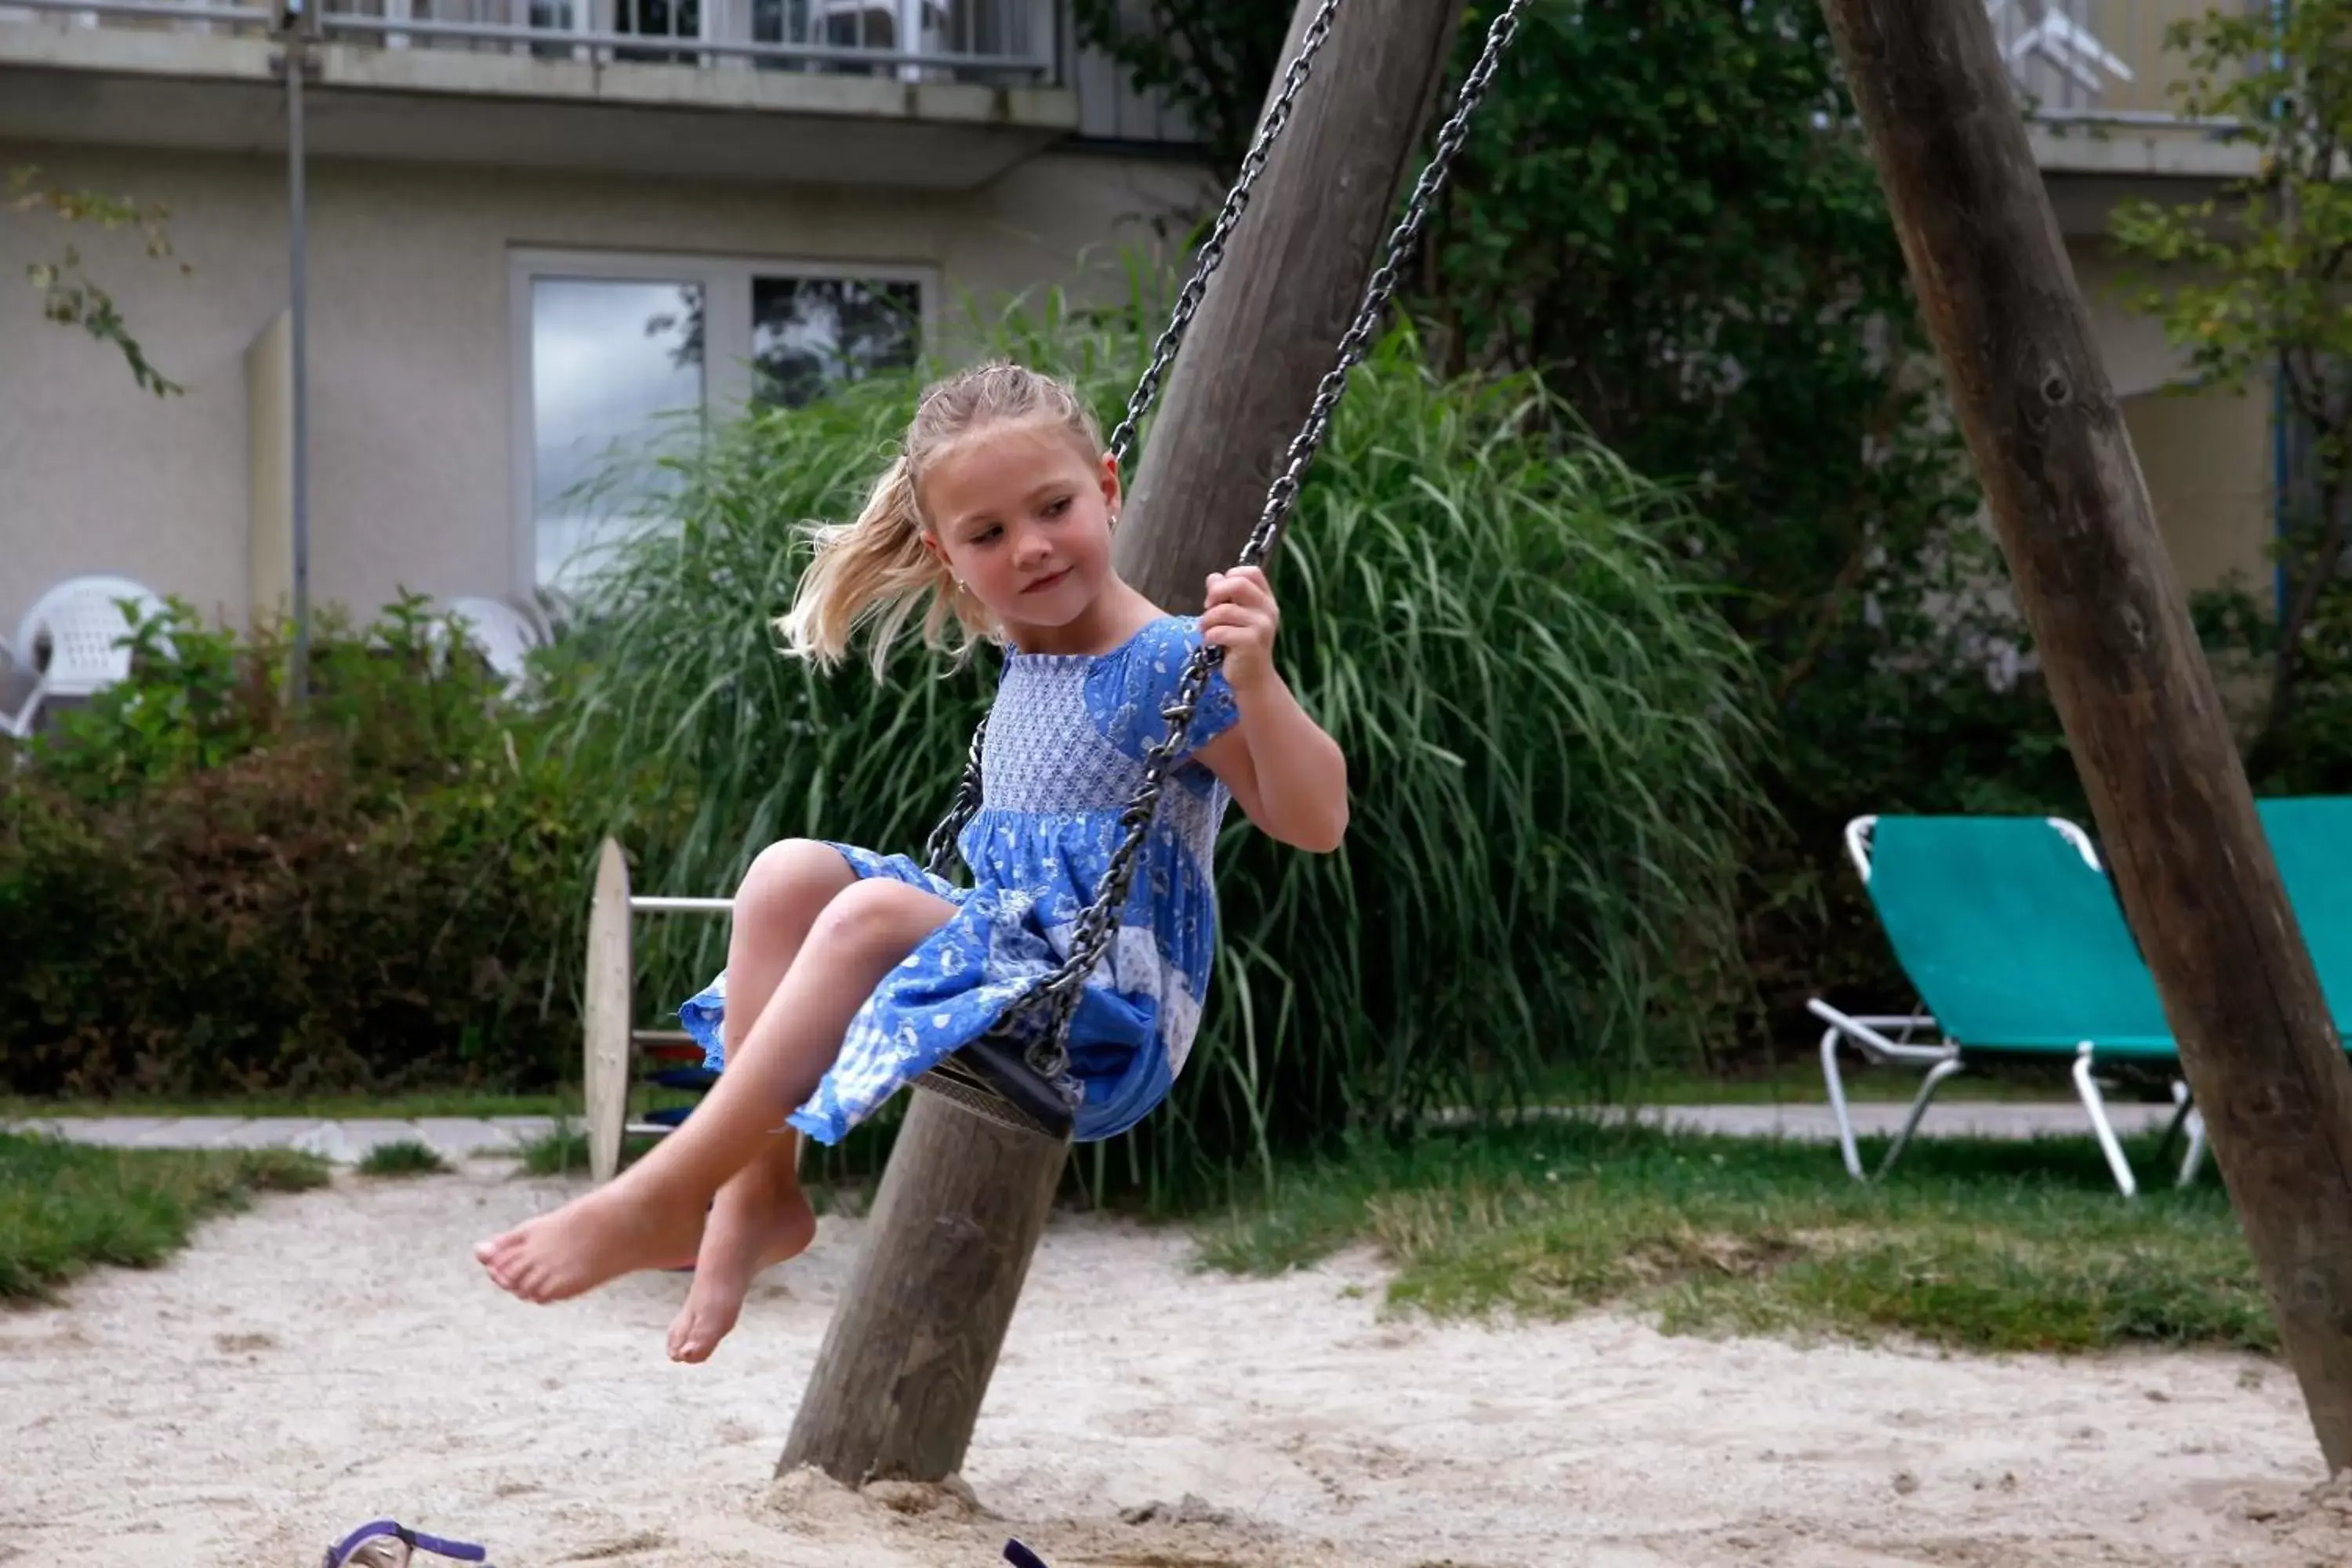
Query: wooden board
[{"x": 604, "y": 1069}]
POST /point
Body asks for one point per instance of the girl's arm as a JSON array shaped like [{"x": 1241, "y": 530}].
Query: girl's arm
[{"x": 1286, "y": 773}]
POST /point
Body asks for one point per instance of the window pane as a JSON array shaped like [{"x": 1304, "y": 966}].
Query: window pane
[
  {"x": 809, "y": 333},
  {"x": 546, "y": 16},
  {"x": 780, "y": 21},
  {"x": 615, "y": 381},
  {"x": 657, "y": 19}
]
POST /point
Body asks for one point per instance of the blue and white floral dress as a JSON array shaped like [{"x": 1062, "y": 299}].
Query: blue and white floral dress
[{"x": 1064, "y": 753}]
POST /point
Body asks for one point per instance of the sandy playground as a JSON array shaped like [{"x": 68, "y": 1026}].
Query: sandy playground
[{"x": 334, "y": 1356}]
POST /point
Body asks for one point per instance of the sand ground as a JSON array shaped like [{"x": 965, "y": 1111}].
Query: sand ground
[{"x": 327, "y": 1358}]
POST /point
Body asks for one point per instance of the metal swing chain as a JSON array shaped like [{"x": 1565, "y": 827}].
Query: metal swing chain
[
  {"x": 1048, "y": 1054},
  {"x": 939, "y": 849}
]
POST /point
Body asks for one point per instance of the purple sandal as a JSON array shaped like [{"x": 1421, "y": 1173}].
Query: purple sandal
[{"x": 401, "y": 1543}]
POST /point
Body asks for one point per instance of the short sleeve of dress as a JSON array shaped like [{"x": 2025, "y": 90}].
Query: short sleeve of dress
[
  {"x": 1129, "y": 692},
  {"x": 1218, "y": 711}
]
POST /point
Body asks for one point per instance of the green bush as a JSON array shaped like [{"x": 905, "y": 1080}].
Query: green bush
[
  {"x": 1549, "y": 725},
  {"x": 202, "y": 893}
]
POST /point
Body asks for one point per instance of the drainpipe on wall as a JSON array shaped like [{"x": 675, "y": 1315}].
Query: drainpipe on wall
[
  {"x": 2282, "y": 452},
  {"x": 2282, "y": 477},
  {"x": 294, "y": 24}
]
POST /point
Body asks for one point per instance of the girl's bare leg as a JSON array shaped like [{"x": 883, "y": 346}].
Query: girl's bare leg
[
  {"x": 761, "y": 1217},
  {"x": 776, "y": 904},
  {"x": 654, "y": 1209}
]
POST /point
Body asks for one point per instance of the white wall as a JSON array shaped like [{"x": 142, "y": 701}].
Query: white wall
[
  {"x": 410, "y": 380},
  {"x": 2204, "y": 453},
  {"x": 2133, "y": 344}
]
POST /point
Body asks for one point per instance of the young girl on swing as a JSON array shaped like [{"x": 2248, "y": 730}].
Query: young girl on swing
[{"x": 849, "y": 973}]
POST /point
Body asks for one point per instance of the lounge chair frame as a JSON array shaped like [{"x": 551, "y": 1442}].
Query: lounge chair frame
[{"x": 1891, "y": 1040}]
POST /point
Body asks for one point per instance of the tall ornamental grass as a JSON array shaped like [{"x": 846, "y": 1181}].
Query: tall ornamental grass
[{"x": 1548, "y": 723}]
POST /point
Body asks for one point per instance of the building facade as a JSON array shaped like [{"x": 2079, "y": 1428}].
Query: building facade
[
  {"x": 527, "y": 240},
  {"x": 538, "y": 227}
]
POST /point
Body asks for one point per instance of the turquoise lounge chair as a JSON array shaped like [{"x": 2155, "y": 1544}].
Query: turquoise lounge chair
[
  {"x": 2311, "y": 839},
  {"x": 2011, "y": 931}
]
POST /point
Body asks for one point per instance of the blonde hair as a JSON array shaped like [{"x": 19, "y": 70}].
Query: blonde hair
[{"x": 878, "y": 569}]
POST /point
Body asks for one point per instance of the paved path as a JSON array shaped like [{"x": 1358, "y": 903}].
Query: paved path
[{"x": 458, "y": 1138}]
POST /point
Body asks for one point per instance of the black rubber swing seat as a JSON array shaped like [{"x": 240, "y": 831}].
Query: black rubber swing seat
[{"x": 992, "y": 1079}]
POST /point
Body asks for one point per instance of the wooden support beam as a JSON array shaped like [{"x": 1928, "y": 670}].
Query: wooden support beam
[
  {"x": 897, "y": 1386},
  {"x": 2139, "y": 706}
]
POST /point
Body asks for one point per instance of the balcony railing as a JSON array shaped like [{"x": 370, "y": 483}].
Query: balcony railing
[
  {"x": 993, "y": 42},
  {"x": 2093, "y": 59}
]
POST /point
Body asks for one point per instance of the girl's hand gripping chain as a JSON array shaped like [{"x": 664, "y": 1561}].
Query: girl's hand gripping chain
[
  {"x": 1242, "y": 618},
  {"x": 1286, "y": 773}
]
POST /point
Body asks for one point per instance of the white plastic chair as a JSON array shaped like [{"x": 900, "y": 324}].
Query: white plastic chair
[
  {"x": 503, "y": 634},
  {"x": 80, "y": 625},
  {"x": 2061, "y": 42},
  {"x": 908, "y": 20}
]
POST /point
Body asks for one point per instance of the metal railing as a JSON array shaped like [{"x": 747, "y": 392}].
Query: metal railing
[
  {"x": 993, "y": 42},
  {"x": 142, "y": 16},
  {"x": 2081, "y": 59}
]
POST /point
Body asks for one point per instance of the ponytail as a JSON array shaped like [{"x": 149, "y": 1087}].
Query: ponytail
[{"x": 876, "y": 569}]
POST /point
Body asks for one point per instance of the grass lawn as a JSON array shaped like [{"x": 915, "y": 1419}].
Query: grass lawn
[
  {"x": 1980, "y": 1245},
  {"x": 1797, "y": 1081},
  {"x": 65, "y": 1207},
  {"x": 1975, "y": 1245},
  {"x": 409, "y": 1157},
  {"x": 328, "y": 1107}
]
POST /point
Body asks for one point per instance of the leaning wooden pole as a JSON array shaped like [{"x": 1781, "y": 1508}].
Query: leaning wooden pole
[
  {"x": 2139, "y": 706},
  {"x": 906, "y": 1360},
  {"x": 899, "y": 1379}
]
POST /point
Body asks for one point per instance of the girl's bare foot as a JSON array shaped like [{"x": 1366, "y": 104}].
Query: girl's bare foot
[
  {"x": 594, "y": 1238},
  {"x": 754, "y": 1225}
]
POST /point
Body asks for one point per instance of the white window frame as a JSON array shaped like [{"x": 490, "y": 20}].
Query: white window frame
[{"x": 726, "y": 282}]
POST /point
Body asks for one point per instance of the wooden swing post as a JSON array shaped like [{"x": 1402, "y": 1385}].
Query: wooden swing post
[
  {"x": 898, "y": 1381},
  {"x": 2140, "y": 710}
]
